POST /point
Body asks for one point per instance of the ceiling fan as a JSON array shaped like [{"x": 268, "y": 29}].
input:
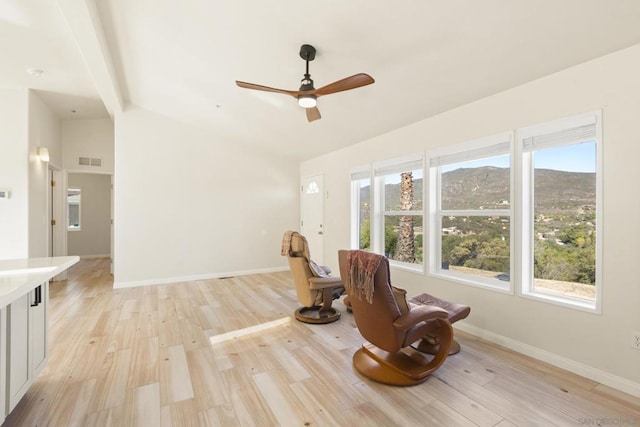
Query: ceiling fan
[{"x": 307, "y": 95}]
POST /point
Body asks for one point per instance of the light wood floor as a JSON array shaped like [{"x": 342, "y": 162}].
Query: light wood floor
[{"x": 143, "y": 356}]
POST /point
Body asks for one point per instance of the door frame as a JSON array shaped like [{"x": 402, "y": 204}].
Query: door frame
[
  {"x": 56, "y": 234},
  {"x": 317, "y": 250},
  {"x": 111, "y": 207}
]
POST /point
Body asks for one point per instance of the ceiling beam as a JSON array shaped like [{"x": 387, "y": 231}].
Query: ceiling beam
[{"x": 84, "y": 21}]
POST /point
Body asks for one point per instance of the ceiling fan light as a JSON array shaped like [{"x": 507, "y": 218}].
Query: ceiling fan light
[{"x": 307, "y": 101}]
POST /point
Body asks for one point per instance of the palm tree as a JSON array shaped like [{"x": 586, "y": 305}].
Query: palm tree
[{"x": 406, "y": 251}]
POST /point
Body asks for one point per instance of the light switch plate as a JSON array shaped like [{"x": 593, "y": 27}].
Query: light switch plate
[{"x": 4, "y": 193}]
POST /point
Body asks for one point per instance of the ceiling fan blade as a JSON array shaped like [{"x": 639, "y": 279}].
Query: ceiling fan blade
[
  {"x": 352, "y": 82},
  {"x": 245, "y": 85},
  {"x": 313, "y": 114}
]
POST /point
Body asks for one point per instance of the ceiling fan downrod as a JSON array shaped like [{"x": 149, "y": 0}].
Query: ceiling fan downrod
[{"x": 308, "y": 53}]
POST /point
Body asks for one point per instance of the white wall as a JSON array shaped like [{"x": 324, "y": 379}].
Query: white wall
[
  {"x": 594, "y": 345},
  {"x": 44, "y": 131},
  {"x": 26, "y": 123},
  {"x": 14, "y": 151},
  {"x": 91, "y": 138},
  {"x": 94, "y": 236},
  {"x": 189, "y": 205}
]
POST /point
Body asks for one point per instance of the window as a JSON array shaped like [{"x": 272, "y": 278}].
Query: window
[
  {"x": 549, "y": 185},
  {"x": 560, "y": 211},
  {"x": 73, "y": 209},
  {"x": 361, "y": 209},
  {"x": 387, "y": 214},
  {"x": 470, "y": 205},
  {"x": 312, "y": 188},
  {"x": 398, "y": 213}
]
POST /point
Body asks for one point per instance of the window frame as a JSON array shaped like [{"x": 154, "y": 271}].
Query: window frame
[
  {"x": 356, "y": 176},
  {"x": 79, "y": 227},
  {"x": 481, "y": 148},
  {"x": 521, "y": 209},
  {"x": 379, "y": 209},
  {"x": 376, "y": 172},
  {"x": 526, "y": 206}
]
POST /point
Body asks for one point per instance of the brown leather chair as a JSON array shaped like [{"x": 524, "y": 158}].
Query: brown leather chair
[
  {"x": 315, "y": 287},
  {"x": 390, "y": 324}
]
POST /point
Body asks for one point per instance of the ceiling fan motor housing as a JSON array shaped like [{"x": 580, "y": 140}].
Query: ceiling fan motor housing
[
  {"x": 306, "y": 84},
  {"x": 307, "y": 52}
]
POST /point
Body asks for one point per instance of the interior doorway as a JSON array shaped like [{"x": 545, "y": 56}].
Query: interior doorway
[
  {"x": 312, "y": 215},
  {"x": 88, "y": 215}
]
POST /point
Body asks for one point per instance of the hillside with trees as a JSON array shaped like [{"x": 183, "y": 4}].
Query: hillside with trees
[{"x": 564, "y": 222}]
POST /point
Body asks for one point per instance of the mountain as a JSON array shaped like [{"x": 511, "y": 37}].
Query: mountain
[
  {"x": 562, "y": 192},
  {"x": 476, "y": 188},
  {"x": 488, "y": 188}
]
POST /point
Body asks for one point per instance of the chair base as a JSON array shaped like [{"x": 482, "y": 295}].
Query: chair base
[
  {"x": 406, "y": 367},
  {"x": 316, "y": 315},
  {"x": 431, "y": 346},
  {"x": 347, "y": 303}
]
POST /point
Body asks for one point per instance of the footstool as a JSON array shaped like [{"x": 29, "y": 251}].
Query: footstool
[{"x": 430, "y": 343}]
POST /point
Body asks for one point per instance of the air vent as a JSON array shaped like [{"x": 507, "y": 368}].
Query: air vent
[{"x": 89, "y": 161}]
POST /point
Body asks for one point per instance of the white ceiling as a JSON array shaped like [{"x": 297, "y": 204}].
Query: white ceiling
[{"x": 181, "y": 58}]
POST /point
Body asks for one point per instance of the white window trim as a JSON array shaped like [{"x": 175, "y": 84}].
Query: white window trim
[
  {"x": 521, "y": 219},
  {"x": 355, "y": 176},
  {"x": 379, "y": 170},
  {"x": 494, "y": 145},
  {"x": 525, "y": 229}
]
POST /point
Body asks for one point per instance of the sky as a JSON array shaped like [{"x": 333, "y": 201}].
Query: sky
[{"x": 571, "y": 158}]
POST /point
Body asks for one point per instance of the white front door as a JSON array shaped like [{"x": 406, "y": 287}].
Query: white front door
[{"x": 312, "y": 215}]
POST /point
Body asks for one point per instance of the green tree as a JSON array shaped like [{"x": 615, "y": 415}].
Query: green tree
[
  {"x": 449, "y": 242},
  {"x": 390, "y": 240},
  {"x": 465, "y": 251},
  {"x": 365, "y": 235}
]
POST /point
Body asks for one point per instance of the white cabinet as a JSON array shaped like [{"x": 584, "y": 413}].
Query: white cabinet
[
  {"x": 26, "y": 342},
  {"x": 24, "y": 299},
  {"x": 39, "y": 330},
  {"x": 3, "y": 364}
]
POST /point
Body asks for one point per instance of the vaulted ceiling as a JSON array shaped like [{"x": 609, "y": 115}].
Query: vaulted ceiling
[{"x": 180, "y": 59}]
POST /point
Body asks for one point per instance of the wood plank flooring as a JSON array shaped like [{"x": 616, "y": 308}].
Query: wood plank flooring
[{"x": 143, "y": 357}]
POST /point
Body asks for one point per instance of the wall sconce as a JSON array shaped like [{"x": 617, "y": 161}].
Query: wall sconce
[{"x": 43, "y": 154}]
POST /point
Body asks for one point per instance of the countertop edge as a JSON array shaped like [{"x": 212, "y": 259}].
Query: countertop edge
[{"x": 39, "y": 271}]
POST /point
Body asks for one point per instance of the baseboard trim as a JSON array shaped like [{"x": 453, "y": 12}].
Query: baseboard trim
[
  {"x": 578, "y": 368},
  {"x": 206, "y": 276},
  {"x": 94, "y": 256}
]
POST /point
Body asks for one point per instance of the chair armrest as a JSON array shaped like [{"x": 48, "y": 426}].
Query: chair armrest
[
  {"x": 417, "y": 315},
  {"x": 324, "y": 282}
]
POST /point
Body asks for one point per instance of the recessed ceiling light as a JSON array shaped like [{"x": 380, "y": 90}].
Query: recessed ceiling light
[{"x": 36, "y": 72}]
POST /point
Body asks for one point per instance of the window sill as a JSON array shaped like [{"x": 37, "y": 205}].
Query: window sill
[
  {"x": 490, "y": 285},
  {"x": 564, "y": 301},
  {"x": 412, "y": 268}
]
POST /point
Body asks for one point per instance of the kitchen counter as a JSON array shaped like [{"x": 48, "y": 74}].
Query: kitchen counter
[{"x": 20, "y": 276}]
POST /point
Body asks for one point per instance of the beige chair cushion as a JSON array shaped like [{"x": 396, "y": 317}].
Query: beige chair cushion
[
  {"x": 401, "y": 299},
  {"x": 317, "y": 269}
]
